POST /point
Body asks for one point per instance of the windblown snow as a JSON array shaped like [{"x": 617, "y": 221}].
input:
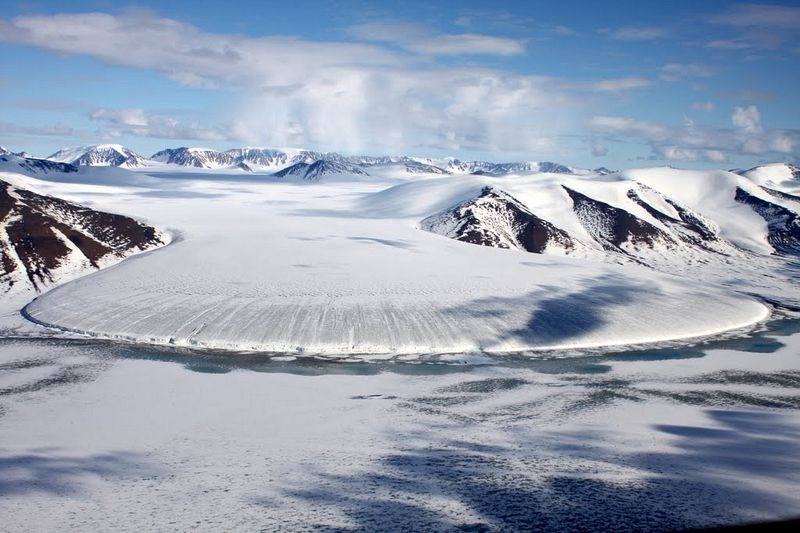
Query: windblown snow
[{"x": 360, "y": 264}]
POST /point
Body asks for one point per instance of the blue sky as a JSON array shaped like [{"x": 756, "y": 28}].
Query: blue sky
[{"x": 616, "y": 84}]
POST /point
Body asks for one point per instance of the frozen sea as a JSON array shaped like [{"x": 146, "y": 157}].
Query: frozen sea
[{"x": 102, "y": 436}]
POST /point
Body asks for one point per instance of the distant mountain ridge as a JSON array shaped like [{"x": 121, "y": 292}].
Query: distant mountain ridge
[
  {"x": 293, "y": 163},
  {"x": 99, "y": 155}
]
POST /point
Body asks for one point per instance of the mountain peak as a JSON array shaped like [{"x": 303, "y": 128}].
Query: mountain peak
[{"x": 99, "y": 155}]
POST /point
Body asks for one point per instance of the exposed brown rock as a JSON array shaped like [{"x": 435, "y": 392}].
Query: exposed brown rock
[{"x": 38, "y": 234}]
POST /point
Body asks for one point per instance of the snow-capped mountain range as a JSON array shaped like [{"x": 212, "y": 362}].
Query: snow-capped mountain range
[
  {"x": 619, "y": 217},
  {"x": 304, "y": 164}
]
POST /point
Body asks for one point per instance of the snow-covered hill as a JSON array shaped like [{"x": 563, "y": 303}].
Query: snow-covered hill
[
  {"x": 495, "y": 218},
  {"x": 782, "y": 175},
  {"x": 314, "y": 171},
  {"x": 99, "y": 155},
  {"x": 46, "y": 240},
  {"x": 655, "y": 217},
  {"x": 10, "y": 162}
]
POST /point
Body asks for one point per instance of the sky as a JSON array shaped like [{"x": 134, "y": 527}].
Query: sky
[{"x": 618, "y": 84}]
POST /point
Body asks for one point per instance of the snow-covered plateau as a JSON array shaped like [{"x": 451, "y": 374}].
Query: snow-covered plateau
[{"x": 185, "y": 348}]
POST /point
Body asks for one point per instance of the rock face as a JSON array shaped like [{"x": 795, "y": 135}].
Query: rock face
[
  {"x": 783, "y": 225},
  {"x": 495, "y": 218},
  {"x": 43, "y": 239},
  {"x": 688, "y": 226},
  {"x": 613, "y": 228}
]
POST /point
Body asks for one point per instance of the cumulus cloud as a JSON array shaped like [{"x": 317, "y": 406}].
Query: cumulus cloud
[
  {"x": 338, "y": 95},
  {"x": 747, "y": 119},
  {"x": 692, "y": 142}
]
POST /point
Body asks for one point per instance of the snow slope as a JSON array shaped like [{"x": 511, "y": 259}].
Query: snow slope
[
  {"x": 342, "y": 268},
  {"x": 780, "y": 175}
]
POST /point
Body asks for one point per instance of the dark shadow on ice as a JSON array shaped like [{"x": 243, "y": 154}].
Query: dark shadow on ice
[
  {"x": 558, "y": 315},
  {"x": 555, "y": 482},
  {"x": 63, "y": 474}
]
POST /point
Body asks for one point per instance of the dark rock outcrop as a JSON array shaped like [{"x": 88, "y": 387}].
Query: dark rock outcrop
[
  {"x": 612, "y": 227},
  {"x": 497, "y": 219},
  {"x": 688, "y": 227},
  {"x": 39, "y": 234},
  {"x": 313, "y": 171},
  {"x": 783, "y": 225}
]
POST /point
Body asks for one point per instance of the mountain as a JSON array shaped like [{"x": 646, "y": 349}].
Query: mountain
[
  {"x": 45, "y": 240},
  {"x": 656, "y": 217},
  {"x": 11, "y": 162},
  {"x": 500, "y": 169},
  {"x": 783, "y": 225},
  {"x": 294, "y": 163},
  {"x": 99, "y": 155},
  {"x": 777, "y": 174},
  {"x": 495, "y": 218},
  {"x": 271, "y": 159},
  {"x": 313, "y": 171},
  {"x": 195, "y": 157}
]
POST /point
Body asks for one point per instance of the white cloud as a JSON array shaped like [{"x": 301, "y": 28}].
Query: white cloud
[
  {"x": 629, "y": 126},
  {"x": 420, "y": 40},
  {"x": 758, "y": 26},
  {"x": 118, "y": 122},
  {"x": 631, "y": 33},
  {"x": 674, "y": 153},
  {"x": 747, "y": 119},
  {"x": 730, "y": 44},
  {"x": 621, "y": 84},
  {"x": 56, "y": 130},
  {"x": 332, "y": 95},
  {"x": 599, "y": 149},
  {"x": 692, "y": 142},
  {"x": 760, "y": 16},
  {"x": 682, "y": 71}
]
